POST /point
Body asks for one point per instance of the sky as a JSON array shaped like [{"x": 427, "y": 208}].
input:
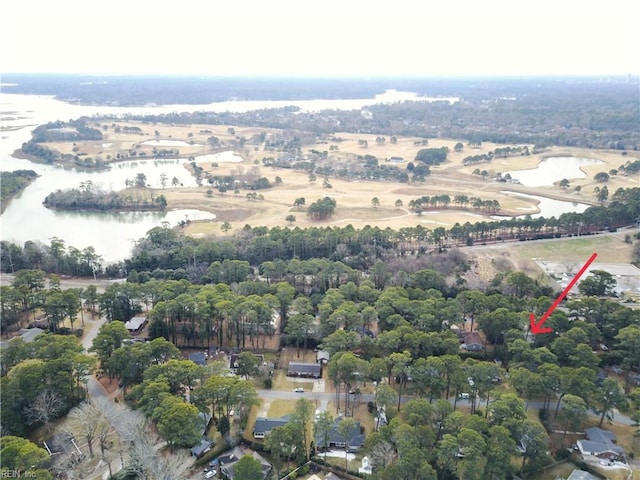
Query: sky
[{"x": 320, "y": 38}]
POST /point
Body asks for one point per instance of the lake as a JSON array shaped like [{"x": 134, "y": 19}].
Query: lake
[
  {"x": 552, "y": 170},
  {"x": 548, "y": 206}
]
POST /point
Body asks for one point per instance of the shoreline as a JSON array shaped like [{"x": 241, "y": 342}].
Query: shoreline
[
  {"x": 5, "y": 203},
  {"x": 107, "y": 210}
]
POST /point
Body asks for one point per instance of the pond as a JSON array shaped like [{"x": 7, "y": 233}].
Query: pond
[
  {"x": 552, "y": 170},
  {"x": 548, "y": 206}
]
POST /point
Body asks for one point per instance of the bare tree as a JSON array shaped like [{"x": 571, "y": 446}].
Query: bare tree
[
  {"x": 47, "y": 406},
  {"x": 87, "y": 421},
  {"x": 142, "y": 455}
]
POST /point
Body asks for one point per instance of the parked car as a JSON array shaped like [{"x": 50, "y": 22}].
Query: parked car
[
  {"x": 463, "y": 396},
  {"x": 298, "y": 390},
  {"x": 210, "y": 474}
]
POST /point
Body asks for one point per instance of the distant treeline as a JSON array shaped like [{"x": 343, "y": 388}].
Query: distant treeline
[
  {"x": 13, "y": 182},
  {"x": 586, "y": 112}
]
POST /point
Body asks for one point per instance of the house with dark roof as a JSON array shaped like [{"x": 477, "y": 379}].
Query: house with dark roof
[
  {"x": 228, "y": 460},
  {"x": 136, "y": 324},
  {"x": 199, "y": 358},
  {"x": 336, "y": 440},
  {"x": 263, "y": 425},
  {"x": 27, "y": 335},
  {"x": 202, "y": 447},
  {"x": 601, "y": 444},
  {"x": 472, "y": 342},
  {"x": 305, "y": 370}
]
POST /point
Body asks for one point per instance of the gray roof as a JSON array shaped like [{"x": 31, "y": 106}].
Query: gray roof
[
  {"x": 599, "y": 447},
  {"x": 135, "y": 323},
  {"x": 581, "y": 475},
  {"x": 201, "y": 447},
  {"x": 600, "y": 435},
  {"x": 28, "y": 335},
  {"x": 305, "y": 367},
  {"x": 265, "y": 425},
  {"x": 331, "y": 476},
  {"x": 198, "y": 358},
  {"x": 228, "y": 460},
  {"x": 323, "y": 355},
  {"x": 356, "y": 439}
]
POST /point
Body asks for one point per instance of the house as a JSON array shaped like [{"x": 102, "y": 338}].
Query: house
[
  {"x": 331, "y": 476},
  {"x": 600, "y": 443},
  {"x": 202, "y": 447},
  {"x": 472, "y": 342},
  {"x": 27, "y": 335},
  {"x": 234, "y": 357},
  {"x": 199, "y": 358},
  {"x": 227, "y": 461},
  {"x": 336, "y": 440},
  {"x": 263, "y": 425},
  {"x": 581, "y": 475},
  {"x": 136, "y": 324},
  {"x": 306, "y": 370},
  {"x": 322, "y": 356}
]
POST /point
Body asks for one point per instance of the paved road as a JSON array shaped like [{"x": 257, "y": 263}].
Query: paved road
[
  {"x": 323, "y": 398},
  {"x": 73, "y": 282}
]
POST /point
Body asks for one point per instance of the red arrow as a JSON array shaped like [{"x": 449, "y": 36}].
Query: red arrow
[{"x": 537, "y": 327}]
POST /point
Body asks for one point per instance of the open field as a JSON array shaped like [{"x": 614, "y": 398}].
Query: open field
[
  {"x": 488, "y": 260},
  {"x": 353, "y": 198}
]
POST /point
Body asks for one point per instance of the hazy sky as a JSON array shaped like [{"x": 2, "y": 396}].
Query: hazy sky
[{"x": 320, "y": 37}]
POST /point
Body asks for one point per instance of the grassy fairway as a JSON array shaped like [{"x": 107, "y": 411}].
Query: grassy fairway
[{"x": 610, "y": 249}]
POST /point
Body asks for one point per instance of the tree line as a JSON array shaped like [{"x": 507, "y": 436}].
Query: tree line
[
  {"x": 14, "y": 182},
  {"x": 89, "y": 199},
  {"x": 163, "y": 253}
]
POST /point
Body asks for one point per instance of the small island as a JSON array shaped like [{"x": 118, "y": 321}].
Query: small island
[
  {"x": 88, "y": 197},
  {"x": 12, "y": 183}
]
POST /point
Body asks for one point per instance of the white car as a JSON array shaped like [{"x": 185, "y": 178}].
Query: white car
[
  {"x": 298, "y": 390},
  {"x": 463, "y": 396},
  {"x": 210, "y": 474}
]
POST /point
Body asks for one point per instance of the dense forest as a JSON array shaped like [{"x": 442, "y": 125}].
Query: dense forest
[
  {"x": 414, "y": 357},
  {"x": 12, "y": 183}
]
